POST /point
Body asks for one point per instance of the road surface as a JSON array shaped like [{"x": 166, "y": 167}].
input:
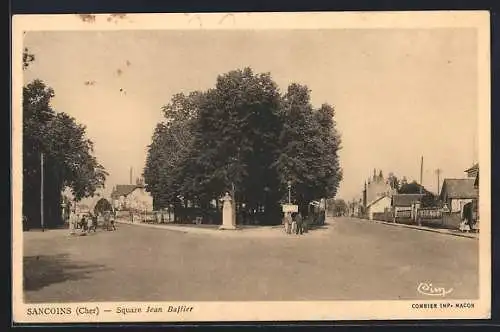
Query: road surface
[{"x": 348, "y": 260}]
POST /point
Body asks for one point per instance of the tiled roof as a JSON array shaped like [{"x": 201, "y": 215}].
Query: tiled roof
[
  {"x": 405, "y": 199},
  {"x": 459, "y": 188},
  {"x": 123, "y": 190}
]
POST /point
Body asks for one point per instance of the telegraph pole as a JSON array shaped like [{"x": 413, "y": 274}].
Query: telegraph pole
[
  {"x": 438, "y": 173},
  {"x": 421, "y": 172},
  {"x": 41, "y": 191},
  {"x": 289, "y": 192}
]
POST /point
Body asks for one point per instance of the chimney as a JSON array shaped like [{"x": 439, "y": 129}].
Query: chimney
[{"x": 131, "y": 182}]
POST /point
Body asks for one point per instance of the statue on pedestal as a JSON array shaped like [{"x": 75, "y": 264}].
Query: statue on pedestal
[{"x": 228, "y": 220}]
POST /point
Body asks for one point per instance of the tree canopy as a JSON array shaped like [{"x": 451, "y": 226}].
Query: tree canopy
[
  {"x": 68, "y": 155},
  {"x": 243, "y": 136},
  {"x": 102, "y": 205},
  {"x": 415, "y": 188}
]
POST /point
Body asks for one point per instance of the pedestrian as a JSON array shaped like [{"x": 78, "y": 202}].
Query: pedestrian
[
  {"x": 72, "y": 222},
  {"x": 299, "y": 229},
  {"x": 466, "y": 224},
  {"x": 293, "y": 229},
  {"x": 287, "y": 222},
  {"x": 83, "y": 223},
  {"x": 112, "y": 221},
  {"x": 90, "y": 223},
  {"x": 95, "y": 221},
  {"x": 308, "y": 221},
  {"x": 107, "y": 220}
]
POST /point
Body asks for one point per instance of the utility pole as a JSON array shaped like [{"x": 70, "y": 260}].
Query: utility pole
[
  {"x": 42, "y": 223},
  {"x": 233, "y": 194},
  {"x": 438, "y": 173},
  {"x": 421, "y": 172},
  {"x": 289, "y": 192}
]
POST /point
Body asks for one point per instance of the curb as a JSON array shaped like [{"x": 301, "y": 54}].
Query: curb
[
  {"x": 425, "y": 229},
  {"x": 213, "y": 232},
  {"x": 179, "y": 229},
  {"x": 184, "y": 229}
]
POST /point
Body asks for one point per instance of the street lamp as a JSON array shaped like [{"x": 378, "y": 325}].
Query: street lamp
[{"x": 289, "y": 183}]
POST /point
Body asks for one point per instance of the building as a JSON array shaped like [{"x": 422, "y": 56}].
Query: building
[
  {"x": 472, "y": 172},
  {"x": 456, "y": 193},
  {"x": 380, "y": 205},
  {"x": 131, "y": 197},
  {"x": 403, "y": 204},
  {"x": 356, "y": 208},
  {"x": 377, "y": 187}
]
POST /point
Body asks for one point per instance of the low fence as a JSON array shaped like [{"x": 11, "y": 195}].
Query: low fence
[
  {"x": 432, "y": 217},
  {"x": 383, "y": 216}
]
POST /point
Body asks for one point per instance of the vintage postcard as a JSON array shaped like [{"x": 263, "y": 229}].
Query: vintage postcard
[{"x": 251, "y": 167}]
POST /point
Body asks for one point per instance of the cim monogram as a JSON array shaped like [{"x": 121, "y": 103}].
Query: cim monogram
[{"x": 427, "y": 289}]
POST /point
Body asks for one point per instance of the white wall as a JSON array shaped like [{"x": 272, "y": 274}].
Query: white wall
[
  {"x": 379, "y": 206},
  {"x": 140, "y": 199},
  {"x": 458, "y": 204}
]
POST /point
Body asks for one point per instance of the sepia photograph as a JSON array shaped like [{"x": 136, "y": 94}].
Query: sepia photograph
[{"x": 233, "y": 167}]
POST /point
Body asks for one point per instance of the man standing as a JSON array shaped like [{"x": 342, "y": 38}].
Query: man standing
[
  {"x": 72, "y": 222},
  {"x": 287, "y": 222},
  {"x": 299, "y": 221}
]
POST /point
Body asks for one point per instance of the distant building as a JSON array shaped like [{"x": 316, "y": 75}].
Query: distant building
[
  {"x": 458, "y": 192},
  {"x": 355, "y": 208},
  {"x": 376, "y": 187},
  {"x": 473, "y": 171},
  {"x": 381, "y": 204},
  {"x": 404, "y": 203},
  {"x": 131, "y": 197}
]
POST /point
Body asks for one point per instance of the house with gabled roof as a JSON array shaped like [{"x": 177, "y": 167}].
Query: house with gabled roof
[
  {"x": 458, "y": 192},
  {"x": 405, "y": 201},
  {"x": 379, "y": 205},
  {"x": 403, "y": 205},
  {"x": 131, "y": 197}
]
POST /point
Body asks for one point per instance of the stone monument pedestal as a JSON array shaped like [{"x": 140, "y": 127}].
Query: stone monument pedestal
[{"x": 228, "y": 218}]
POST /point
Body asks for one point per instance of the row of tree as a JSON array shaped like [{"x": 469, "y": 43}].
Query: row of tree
[
  {"x": 244, "y": 137},
  {"x": 68, "y": 160}
]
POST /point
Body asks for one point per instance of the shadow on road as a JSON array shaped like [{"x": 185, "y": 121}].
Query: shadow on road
[{"x": 43, "y": 270}]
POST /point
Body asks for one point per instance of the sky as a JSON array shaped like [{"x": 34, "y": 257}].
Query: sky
[{"x": 399, "y": 94}]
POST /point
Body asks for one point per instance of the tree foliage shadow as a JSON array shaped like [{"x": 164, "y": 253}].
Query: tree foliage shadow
[{"x": 43, "y": 270}]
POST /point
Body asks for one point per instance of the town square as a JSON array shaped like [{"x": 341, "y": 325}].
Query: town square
[{"x": 252, "y": 165}]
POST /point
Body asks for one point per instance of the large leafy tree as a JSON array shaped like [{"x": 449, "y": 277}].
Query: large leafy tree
[
  {"x": 236, "y": 140},
  {"x": 68, "y": 156},
  {"x": 171, "y": 144},
  {"x": 102, "y": 206},
  {"x": 242, "y": 136},
  {"x": 308, "y": 147}
]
